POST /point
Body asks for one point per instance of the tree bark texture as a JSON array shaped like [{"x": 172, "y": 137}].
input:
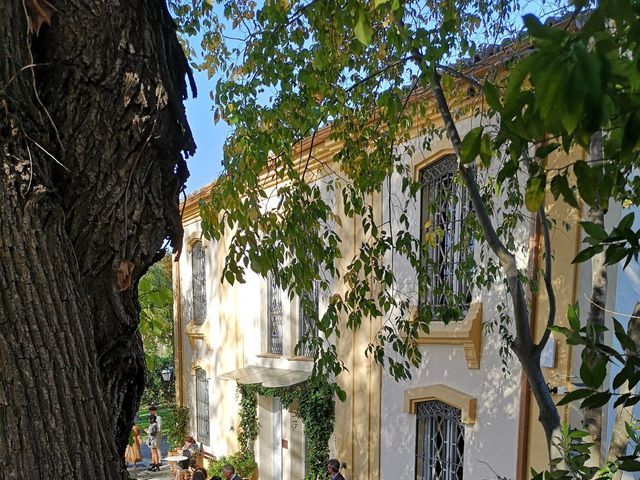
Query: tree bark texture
[
  {"x": 593, "y": 417},
  {"x": 92, "y": 136},
  {"x": 624, "y": 415}
]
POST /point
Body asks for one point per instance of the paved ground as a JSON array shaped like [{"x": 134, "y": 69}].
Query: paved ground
[{"x": 142, "y": 469}]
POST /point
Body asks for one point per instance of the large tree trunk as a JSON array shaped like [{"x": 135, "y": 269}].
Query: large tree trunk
[
  {"x": 624, "y": 415},
  {"x": 593, "y": 417},
  {"x": 91, "y": 142}
]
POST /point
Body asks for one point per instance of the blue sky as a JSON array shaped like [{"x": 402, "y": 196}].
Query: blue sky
[{"x": 206, "y": 164}]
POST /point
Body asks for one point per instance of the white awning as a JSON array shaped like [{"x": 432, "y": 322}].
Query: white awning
[{"x": 268, "y": 377}]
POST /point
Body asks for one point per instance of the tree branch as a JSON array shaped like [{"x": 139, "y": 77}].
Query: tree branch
[
  {"x": 458, "y": 74},
  {"x": 547, "y": 279},
  {"x": 506, "y": 258}
]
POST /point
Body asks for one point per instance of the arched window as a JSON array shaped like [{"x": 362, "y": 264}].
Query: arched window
[
  {"x": 439, "y": 441},
  {"x": 447, "y": 240},
  {"x": 202, "y": 406},
  {"x": 307, "y": 319},
  {"x": 198, "y": 283},
  {"x": 274, "y": 315}
]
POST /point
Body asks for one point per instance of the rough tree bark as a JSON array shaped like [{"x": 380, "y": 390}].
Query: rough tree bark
[
  {"x": 593, "y": 417},
  {"x": 624, "y": 415},
  {"x": 92, "y": 130}
]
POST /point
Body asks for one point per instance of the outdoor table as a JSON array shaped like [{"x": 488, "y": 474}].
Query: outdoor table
[{"x": 175, "y": 458}]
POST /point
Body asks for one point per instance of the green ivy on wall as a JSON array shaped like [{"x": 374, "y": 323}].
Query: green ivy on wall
[{"x": 316, "y": 408}]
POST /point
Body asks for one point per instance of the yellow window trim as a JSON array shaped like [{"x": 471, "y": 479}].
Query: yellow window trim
[
  {"x": 194, "y": 332},
  {"x": 466, "y": 403},
  {"x": 467, "y": 333},
  {"x": 198, "y": 364}
]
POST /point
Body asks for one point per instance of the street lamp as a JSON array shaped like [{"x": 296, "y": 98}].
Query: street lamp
[{"x": 166, "y": 374}]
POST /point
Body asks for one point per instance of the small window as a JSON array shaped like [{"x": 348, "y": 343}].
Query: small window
[
  {"x": 446, "y": 238},
  {"x": 202, "y": 406},
  {"x": 274, "y": 316},
  {"x": 198, "y": 283},
  {"x": 307, "y": 319},
  {"x": 439, "y": 442}
]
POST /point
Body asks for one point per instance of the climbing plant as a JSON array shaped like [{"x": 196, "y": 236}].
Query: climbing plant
[{"x": 316, "y": 408}]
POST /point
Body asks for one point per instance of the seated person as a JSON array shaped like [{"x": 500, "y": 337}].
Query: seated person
[
  {"x": 190, "y": 450},
  {"x": 198, "y": 475}
]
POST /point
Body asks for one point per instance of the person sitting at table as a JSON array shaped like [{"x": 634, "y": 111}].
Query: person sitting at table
[
  {"x": 198, "y": 475},
  {"x": 190, "y": 450}
]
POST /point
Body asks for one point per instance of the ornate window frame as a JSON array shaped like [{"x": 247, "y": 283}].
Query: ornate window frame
[
  {"x": 203, "y": 420},
  {"x": 195, "y": 330},
  {"x": 467, "y": 332},
  {"x": 444, "y": 393}
]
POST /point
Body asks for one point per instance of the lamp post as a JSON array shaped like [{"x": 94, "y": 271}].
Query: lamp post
[{"x": 166, "y": 374}]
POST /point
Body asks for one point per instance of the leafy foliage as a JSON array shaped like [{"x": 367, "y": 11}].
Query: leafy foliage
[
  {"x": 369, "y": 70},
  {"x": 176, "y": 425},
  {"x": 302, "y": 66},
  {"x": 315, "y": 404},
  {"x": 576, "y": 458},
  {"x": 156, "y": 327},
  {"x": 244, "y": 465}
]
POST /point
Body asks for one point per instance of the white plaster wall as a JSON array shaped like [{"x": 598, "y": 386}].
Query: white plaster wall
[
  {"x": 492, "y": 440},
  {"x": 209, "y": 354}
]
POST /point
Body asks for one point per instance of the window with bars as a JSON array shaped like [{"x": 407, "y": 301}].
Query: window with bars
[
  {"x": 202, "y": 406},
  {"x": 274, "y": 316},
  {"x": 439, "y": 442},
  {"x": 198, "y": 283},
  {"x": 446, "y": 238},
  {"x": 307, "y": 318}
]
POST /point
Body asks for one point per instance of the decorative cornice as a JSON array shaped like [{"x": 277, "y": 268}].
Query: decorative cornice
[
  {"x": 466, "y": 403},
  {"x": 196, "y": 332},
  {"x": 467, "y": 333}
]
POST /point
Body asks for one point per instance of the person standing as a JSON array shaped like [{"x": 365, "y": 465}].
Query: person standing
[
  {"x": 229, "y": 472},
  {"x": 153, "y": 410},
  {"x": 132, "y": 453},
  {"x": 153, "y": 443},
  {"x": 333, "y": 467}
]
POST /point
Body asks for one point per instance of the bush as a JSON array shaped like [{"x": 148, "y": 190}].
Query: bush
[
  {"x": 176, "y": 425},
  {"x": 244, "y": 464}
]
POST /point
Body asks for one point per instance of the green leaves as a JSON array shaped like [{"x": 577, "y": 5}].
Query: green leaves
[
  {"x": 363, "y": 29},
  {"x": 471, "y": 145},
  {"x": 534, "y": 194},
  {"x": 597, "y": 232},
  {"x": 492, "y": 95},
  {"x": 560, "y": 188},
  {"x": 577, "y": 394}
]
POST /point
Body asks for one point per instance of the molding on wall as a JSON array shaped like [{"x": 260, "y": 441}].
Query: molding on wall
[
  {"x": 467, "y": 333},
  {"x": 197, "y": 332},
  {"x": 466, "y": 403}
]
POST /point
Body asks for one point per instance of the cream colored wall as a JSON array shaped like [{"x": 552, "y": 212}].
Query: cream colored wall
[
  {"x": 208, "y": 352},
  {"x": 373, "y": 434},
  {"x": 490, "y": 443}
]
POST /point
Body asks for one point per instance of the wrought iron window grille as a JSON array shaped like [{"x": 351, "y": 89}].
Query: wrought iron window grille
[
  {"x": 202, "y": 406},
  {"x": 307, "y": 318},
  {"x": 274, "y": 316},
  {"x": 439, "y": 442},
  {"x": 199, "y": 283},
  {"x": 446, "y": 240}
]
